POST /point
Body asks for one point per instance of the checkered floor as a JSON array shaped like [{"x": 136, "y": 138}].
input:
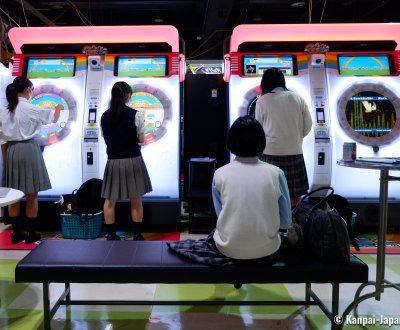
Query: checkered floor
[{"x": 21, "y": 304}]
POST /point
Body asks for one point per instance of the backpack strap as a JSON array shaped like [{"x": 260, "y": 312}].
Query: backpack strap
[{"x": 319, "y": 203}]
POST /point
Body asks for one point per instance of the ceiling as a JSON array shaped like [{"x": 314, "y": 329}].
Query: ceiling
[{"x": 202, "y": 24}]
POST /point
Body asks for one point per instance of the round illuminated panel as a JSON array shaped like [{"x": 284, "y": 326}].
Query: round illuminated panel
[
  {"x": 156, "y": 110},
  {"x": 370, "y": 114},
  {"x": 48, "y": 97},
  {"x": 248, "y": 106}
]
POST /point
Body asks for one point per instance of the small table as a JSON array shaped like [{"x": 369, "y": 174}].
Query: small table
[
  {"x": 12, "y": 197},
  {"x": 380, "y": 282}
]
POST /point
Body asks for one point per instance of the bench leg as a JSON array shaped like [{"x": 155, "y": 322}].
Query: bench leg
[
  {"x": 46, "y": 306},
  {"x": 68, "y": 289},
  {"x": 308, "y": 287},
  {"x": 335, "y": 306}
]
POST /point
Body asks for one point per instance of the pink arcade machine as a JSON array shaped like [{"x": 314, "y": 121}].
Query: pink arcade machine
[
  {"x": 352, "y": 88},
  {"x": 364, "y": 95},
  {"x": 253, "y": 49},
  {"x": 58, "y": 71},
  {"x": 78, "y": 66}
]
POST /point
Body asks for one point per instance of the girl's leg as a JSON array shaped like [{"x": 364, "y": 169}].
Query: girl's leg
[
  {"x": 15, "y": 220},
  {"x": 109, "y": 218},
  {"x": 32, "y": 205},
  {"x": 13, "y": 209},
  {"x": 31, "y": 217},
  {"x": 137, "y": 217}
]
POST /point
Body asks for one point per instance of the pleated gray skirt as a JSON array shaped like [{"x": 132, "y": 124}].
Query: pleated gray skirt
[
  {"x": 125, "y": 178},
  {"x": 25, "y": 168}
]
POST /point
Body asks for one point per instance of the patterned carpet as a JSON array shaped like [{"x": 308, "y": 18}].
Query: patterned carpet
[{"x": 368, "y": 243}]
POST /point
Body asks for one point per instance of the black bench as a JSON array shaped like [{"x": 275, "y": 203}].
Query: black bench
[{"x": 81, "y": 261}]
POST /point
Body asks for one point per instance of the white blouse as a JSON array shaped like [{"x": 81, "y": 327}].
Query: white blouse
[{"x": 24, "y": 123}]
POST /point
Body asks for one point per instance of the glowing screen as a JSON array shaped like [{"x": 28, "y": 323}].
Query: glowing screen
[
  {"x": 50, "y": 67},
  {"x": 365, "y": 65},
  {"x": 141, "y": 66},
  {"x": 370, "y": 114},
  {"x": 54, "y": 132},
  {"x": 255, "y": 65},
  {"x": 153, "y": 112}
]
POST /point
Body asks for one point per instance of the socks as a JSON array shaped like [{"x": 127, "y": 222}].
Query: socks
[
  {"x": 137, "y": 228},
  {"x": 16, "y": 225},
  {"x": 30, "y": 225},
  {"x": 110, "y": 228}
]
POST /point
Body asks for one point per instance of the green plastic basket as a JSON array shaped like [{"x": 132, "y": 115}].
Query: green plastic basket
[{"x": 81, "y": 225}]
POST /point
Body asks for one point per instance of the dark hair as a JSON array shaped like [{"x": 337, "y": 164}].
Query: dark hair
[
  {"x": 272, "y": 78},
  {"x": 17, "y": 86},
  {"x": 246, "y": 137},
  {"x": 118, "y": 96}
]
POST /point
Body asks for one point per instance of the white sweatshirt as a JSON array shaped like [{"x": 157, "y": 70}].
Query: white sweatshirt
[{"x": 286, "y": 121}]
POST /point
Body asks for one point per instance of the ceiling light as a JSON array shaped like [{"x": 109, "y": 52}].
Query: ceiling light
[
  {"x": 298, "y": 4},
  {"x": 158, "y": 19},
  {"x": 256, "y": 19}
]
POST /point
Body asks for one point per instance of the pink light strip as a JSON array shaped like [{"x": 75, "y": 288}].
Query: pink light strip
[
  {"x": 94, "y": 34},
  {"x": 314, "y": 32}
]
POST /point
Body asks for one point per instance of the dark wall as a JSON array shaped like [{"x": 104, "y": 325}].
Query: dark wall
[{"x": 205, "y": 120}]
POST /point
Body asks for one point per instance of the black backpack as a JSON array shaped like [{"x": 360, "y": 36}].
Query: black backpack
[
  {"x": 324, "y": 231},
  {"x": 88, "y": 198},
  {"x": 342, "y": 205}
]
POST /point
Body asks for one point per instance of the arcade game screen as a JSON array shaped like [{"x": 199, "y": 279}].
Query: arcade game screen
[
  {"x": 364, "y": 65},
  {"x": 50, "y": 67},
  {"x": 53, "y": 132},
  {"x": 141, "y": 66},
  {"x": 255, "y": 65},
  {"x": 152, "y": 110},
  {"x": 370, "y": 114}
]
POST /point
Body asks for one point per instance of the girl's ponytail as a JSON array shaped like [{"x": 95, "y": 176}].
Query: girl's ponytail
[{"x": 12, "y": 97}]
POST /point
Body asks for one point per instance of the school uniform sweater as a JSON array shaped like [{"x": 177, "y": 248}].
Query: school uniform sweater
[
  {"x": 248, "y": 191},
  {"x": 286, "y": 121}
]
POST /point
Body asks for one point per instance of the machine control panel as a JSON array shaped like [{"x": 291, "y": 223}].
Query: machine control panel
[{"x": 320, "y": 114}]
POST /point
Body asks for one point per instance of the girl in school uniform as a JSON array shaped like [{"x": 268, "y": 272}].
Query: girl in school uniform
[
  {"x": 125, "y": 175},
  {"x": 24, "y": 167},
  {"x": 286, "y": 120}
]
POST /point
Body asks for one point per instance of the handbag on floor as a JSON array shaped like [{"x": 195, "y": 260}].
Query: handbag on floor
[{"x": 325, "y": 233}]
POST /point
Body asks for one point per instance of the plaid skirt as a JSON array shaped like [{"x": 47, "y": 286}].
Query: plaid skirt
[
  {"x": 25, "y": 169},
  {"x": 205, "y": 251},
  {"x": 295, "y": 171},
  {"x": 125, "y": 178}
]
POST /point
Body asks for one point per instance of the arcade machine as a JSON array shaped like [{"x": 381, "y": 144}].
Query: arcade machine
[
  {"x": 364, "y": 89},
  {"x": 149, "y": 61},
  {"x": 87, "y": 61},
  {"x": 253, "y": 49},
  {"x": 5, "y": 79},
  {"x": 58, "y": 72}
]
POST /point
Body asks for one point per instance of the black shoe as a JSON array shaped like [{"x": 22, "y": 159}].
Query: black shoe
[
  {"x": 32, "y": 237},
  {"x": 113, "y": 237},
  {"x": 138, "y": 237},
  {"x": 16, "y": 238}
]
